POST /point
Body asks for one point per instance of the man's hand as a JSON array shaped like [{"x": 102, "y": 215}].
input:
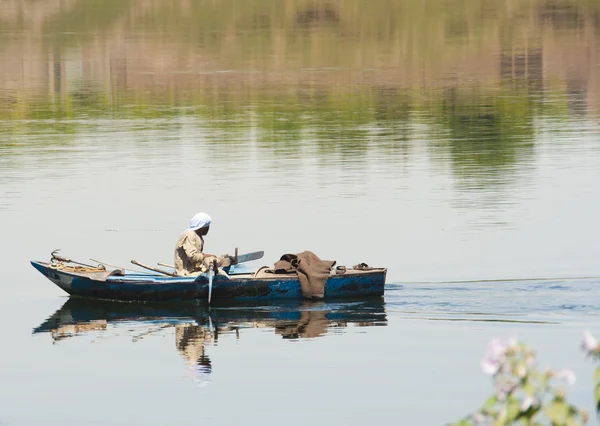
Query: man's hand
[{"x": 209, "y": 259}]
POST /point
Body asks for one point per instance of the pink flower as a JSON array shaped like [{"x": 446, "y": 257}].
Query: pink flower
[
  {"x": 589, "y": 344},
  {"x": 497, "y": 348},
  {"x": 504, "y": 388},
  {"x": 494, "y": 357},
  {"x": 490, "y": 366},
  {"x": 566, "y": 375}
]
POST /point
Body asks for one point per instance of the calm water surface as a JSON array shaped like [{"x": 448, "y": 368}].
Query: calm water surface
[{"x": 457, "y": 144}]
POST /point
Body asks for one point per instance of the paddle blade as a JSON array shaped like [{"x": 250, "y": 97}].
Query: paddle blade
[
  {"x": 210, "y": 283},
  {"x": 250, "y": 256}
]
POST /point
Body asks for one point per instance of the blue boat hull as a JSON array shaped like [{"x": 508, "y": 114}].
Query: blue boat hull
[{"x": 148, "y": 287}]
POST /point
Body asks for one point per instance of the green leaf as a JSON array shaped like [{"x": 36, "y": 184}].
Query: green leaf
[
  {"x": 575, "y": 420},
  {"x": 513, "y": 410},
  {"x": 529, "y": 388},
  {"x": 489, "y": 404},
  {"x": 463, "y": 422},
  {"x": 557, "y": 411},
  {"x": 571, "y": 421},
  {"x": 597, "y": 376}
]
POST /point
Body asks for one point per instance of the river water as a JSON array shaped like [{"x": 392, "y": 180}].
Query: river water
[{"x": 455, "y": 143}]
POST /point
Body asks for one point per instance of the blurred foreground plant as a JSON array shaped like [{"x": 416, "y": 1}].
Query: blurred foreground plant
[
  {"x": 591, "y": 346},
  {"x": 526, "y": 395}
]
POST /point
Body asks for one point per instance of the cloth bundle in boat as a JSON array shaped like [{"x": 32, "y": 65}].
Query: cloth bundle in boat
[{"x": 312, "y": 272}]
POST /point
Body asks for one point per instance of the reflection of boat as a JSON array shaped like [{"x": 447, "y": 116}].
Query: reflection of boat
[
  {"x": 300, "y": 319},
  {"x": 128, "y": 286},
  {"x": 197, "y": 327}
]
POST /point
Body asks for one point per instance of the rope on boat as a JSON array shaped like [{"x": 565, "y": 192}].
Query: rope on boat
[
  {"x": 65, "y": 264},
  {"x": 77, "y": 269}
]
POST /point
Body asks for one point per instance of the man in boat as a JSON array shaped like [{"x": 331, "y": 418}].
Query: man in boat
[{"x": 190, "y": 258}]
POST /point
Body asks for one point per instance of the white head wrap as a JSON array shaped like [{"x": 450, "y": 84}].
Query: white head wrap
[{"x": 200, "y": 220}]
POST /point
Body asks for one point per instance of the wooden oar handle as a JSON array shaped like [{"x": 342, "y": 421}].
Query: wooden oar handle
[{"x": 160, "y": 271}]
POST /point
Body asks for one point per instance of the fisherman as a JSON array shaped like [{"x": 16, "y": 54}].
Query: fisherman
[{"x": 190, "y": 258}]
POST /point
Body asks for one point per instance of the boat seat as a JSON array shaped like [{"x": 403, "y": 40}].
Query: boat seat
[
  {"x": 262, "y": 272},
  {"x": 266, "y": 272}
]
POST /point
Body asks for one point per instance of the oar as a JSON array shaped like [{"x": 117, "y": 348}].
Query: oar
[
  {"x": 149, "y": 332},
  {"x": 171, "y": 274},
  {"x": 236, "y": 259},
  {"x": 247, "y": 257},
  {"x": 210, "y": 281},
  {"x": 67, "y": 260},
  {"x": 117, "y": 267},
  {"x": 212, "y": 268}
]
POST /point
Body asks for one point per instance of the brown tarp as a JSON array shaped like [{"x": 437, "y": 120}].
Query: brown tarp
[{"x": 312, "y": 272}]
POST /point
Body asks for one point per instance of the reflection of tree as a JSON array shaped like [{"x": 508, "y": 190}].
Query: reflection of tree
[
  {"x": 562, "y": 14},
  {"x": 340, "y": 126},
  {"x": 522, "y": 67},
  {"x": 490, "y": 136},
  {"x": 317, "y": 14},
  {"x": 392, "y": 116},
  {"x": 83, "y": 18},
  {"x": 173, "y": 53}
]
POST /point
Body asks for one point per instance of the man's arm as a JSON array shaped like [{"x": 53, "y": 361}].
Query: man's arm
[
  {"x": 198, "y": 258},
  {"x": 193, "y": 253}
]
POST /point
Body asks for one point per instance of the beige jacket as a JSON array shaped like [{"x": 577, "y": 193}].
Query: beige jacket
[{"x": 189, "y": 255}]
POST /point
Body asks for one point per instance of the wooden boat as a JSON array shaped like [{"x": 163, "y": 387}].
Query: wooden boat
[{"x": 235, "y": 283}]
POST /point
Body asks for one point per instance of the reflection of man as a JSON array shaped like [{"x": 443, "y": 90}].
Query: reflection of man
[{"x": 190, "y": 340}]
